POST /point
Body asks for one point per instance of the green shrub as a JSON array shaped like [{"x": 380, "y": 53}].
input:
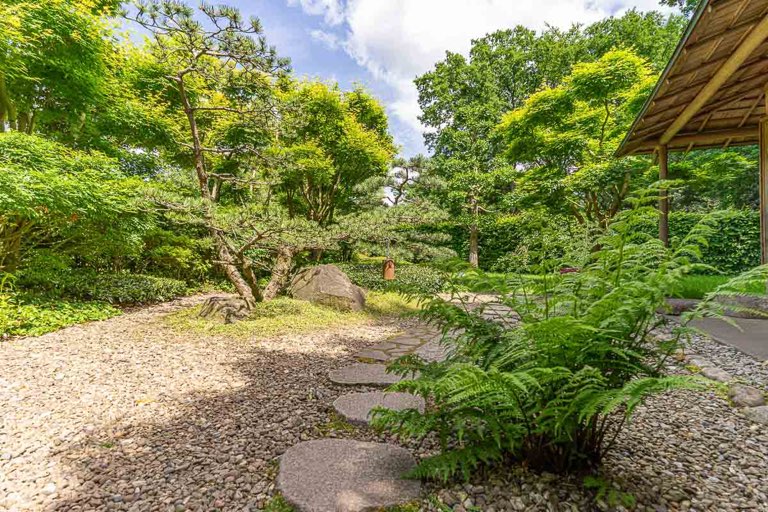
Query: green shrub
[
  {"x": 555, "y": 390},
  {"x": 408, "y": 278},
  {"x": 79, "y": 202},
  {"x": 731, "y": 248},
  {"x": 24, "y": 316},
  {"x": 89, "y": 284}
]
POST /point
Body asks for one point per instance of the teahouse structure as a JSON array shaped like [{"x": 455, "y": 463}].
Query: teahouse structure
[{"x": 711, "y": 94}]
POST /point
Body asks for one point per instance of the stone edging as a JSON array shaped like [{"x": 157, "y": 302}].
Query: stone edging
[{"x": 748, "y": 399}]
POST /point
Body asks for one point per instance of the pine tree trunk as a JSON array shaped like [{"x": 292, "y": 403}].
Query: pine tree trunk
[
  {"x": 280, "y": 273},
  {"x": 226, "y": 258}
]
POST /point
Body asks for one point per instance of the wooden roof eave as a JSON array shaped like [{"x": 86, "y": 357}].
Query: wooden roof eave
[{"x": 623, "y": 151}]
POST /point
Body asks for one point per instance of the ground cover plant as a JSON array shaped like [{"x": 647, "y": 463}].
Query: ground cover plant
[
  {"x": 554, "y": 391},
  {"x": 284, "y": 316}
]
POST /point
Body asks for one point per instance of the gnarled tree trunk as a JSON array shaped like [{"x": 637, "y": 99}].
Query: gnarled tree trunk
[{"x": 280, "y": 272}]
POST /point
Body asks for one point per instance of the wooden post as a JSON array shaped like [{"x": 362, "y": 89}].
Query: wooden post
[
  {"x": 663, "y": 197},
  {"x": 764, "y": 191}
]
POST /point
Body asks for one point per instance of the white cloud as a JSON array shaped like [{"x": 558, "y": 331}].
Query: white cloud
[
  {"x": 329, "y": 39},
  {"x": 331, "y": 10},
  {"x": 397, "y": 40}
]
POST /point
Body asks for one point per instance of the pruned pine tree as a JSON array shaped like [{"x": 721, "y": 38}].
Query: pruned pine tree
[{"x": 223, "y": 72}]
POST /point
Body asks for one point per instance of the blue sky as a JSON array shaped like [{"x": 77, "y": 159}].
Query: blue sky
[{"x": 384, "y": 44}]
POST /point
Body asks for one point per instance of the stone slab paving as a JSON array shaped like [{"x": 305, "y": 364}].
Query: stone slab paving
[
  {"x": 364, "y": 374},
  {"x": 357, "y": 407},
  {"x": 399, "y": 345},
  {"x": 338, "y": 475}
]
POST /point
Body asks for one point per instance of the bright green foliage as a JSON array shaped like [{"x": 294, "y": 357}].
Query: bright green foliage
[
  {"x": 331, "y": 143},
  {"x": 29, "y": 316},
  {"x": 564, "y": 138},
  {"x": 54, "y": 63},
  {"x": 554, "y": 390},
  {"x": 716, "y": 179},
  {"x": 421, "y": 279},
  {"x": 114, "y": 288},
  {"x": 60, "y": 198},
  {"x": 462, "y": 100}
]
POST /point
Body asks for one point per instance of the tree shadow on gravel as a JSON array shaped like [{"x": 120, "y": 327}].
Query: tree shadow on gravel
[{"x": 217, "y": 451}]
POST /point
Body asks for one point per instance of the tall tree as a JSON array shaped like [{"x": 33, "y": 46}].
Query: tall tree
[
  {"x": 55, "y": 58},
  {"x": 331, "y": 142},
  {"x": 563, "y": 138},
  {"x": 463, "y": 99}
]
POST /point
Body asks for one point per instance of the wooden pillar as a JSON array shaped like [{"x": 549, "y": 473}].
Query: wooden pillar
[
  {"x": 663, "y": 197},
  {"x": 764, "y": 191}
]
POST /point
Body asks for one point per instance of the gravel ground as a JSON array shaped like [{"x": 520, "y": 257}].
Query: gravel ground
[
  {"x": 126, "y": 414},
  {"x": 739, "y": 364}
]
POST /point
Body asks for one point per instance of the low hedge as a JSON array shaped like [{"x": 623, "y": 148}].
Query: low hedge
[
  {"x": 113, "y": 288},
  {"x": 734, "y": 244},
  {"x": 408, "y": 278}
]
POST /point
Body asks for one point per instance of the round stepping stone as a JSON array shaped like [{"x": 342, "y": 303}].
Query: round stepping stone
[
  {"x": 356, "y": 407},
  {"x": 364, "y": 373},
  {"x": 341, "y": 475}
]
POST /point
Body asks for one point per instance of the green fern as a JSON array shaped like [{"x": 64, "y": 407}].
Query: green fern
[{"x": 555, "y": 390}]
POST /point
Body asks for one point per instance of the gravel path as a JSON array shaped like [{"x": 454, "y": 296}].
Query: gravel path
[{"x": 127, "y": 414}]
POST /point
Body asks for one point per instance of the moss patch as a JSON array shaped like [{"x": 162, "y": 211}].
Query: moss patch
[{"x": 284, "y": 316}]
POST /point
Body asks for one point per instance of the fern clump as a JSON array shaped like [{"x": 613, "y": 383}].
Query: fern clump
[{"x": 554, "y": 390}]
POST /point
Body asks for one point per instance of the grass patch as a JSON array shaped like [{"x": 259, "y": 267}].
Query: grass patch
[
  {"x": 335, "y": 423},
  {"x": 696, "y": 287},
  {"x": 278, "y": 504},
  {"x": 284, "y": 316}
]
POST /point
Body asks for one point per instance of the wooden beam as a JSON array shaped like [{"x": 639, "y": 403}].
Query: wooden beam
[
  {"x": 754, "y": 39},
  {"x": 715, "y": 137},
  {"x": 663, "y": 197}
]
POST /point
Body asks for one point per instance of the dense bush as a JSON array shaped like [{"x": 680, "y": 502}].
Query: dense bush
[
  {"x": 510, "y": 243},
  {"x": 77, "y": 202},
  {"x": 514, "y": 243},
  {"x": 732, "y": 247},
  {"x": 29, "y": 316},
  {"x": 88, "y": 284},
  {"x": 408, "y": 278},
  {"x": 555, "y": 390}
]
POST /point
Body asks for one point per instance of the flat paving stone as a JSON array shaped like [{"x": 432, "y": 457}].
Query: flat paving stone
[
  {"x": 364, "y": 373},
  {"x": 357, "y": 407},
  {"x": 433, "y": 351},
  {"x": 340, "y": 475},
  {"x": 372, "y": 353}
]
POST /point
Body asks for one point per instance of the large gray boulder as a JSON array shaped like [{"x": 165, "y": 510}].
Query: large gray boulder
[{"x": 327, "y": 285}]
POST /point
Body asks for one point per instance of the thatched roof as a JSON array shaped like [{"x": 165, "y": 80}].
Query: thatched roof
[{"x": 712, "y": 91}]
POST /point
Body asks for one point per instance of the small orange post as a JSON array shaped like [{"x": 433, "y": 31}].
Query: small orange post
[{"x": 389, "y": 269}]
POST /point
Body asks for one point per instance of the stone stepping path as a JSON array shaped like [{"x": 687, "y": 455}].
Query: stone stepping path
[
  {"x": 400, "y": 345},
  {"x": 364, "y": 374},
  {"x": 357, "y": 407},
  {"x": 750, "y": 400},
  {"x": 339, "y": 475}
]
